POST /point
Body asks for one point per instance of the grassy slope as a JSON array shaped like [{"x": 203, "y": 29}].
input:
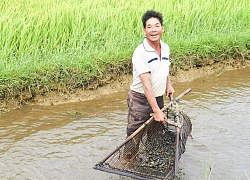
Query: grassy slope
[{"x": 64, "y": 45}]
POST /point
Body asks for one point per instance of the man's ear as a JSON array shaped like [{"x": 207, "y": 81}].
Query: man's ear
[{"x": 144, "y": 31}]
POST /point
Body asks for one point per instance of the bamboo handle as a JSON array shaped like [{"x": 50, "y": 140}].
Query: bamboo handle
[{"x": 183, "y": 94}]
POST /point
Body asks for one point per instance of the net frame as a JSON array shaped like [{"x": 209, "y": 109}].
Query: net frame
[{"x": 154, "y": 149}]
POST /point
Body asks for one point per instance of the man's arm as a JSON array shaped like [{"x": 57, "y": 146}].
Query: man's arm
[
  {"x": 147, "y": 86},
  {"x": 169, "y": 89}
]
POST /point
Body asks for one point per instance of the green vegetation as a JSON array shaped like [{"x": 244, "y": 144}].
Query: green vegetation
[{"x": 53, "y": 45}]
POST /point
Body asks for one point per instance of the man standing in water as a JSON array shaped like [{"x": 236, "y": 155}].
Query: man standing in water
[{"x": 151, "y": 78}]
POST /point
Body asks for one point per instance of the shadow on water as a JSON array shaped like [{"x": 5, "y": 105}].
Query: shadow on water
[{"x": 66, "y": 141}]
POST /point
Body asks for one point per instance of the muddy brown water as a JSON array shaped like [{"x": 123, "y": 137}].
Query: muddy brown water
[{"x": 66, "y": 141}]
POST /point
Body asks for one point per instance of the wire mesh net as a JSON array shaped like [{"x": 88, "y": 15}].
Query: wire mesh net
[{"x": 153, "y": 151}]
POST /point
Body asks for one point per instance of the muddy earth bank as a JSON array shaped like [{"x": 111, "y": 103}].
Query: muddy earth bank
[{"x": 121, "y": 83}]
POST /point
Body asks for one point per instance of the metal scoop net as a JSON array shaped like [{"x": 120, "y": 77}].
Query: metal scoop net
[{"x": 154, "y": 149}]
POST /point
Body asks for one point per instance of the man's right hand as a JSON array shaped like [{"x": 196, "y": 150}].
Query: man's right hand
[{"x": 160, "y": 116}]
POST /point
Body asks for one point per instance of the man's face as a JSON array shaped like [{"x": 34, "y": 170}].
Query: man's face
[{"x": 153, "y": 30}]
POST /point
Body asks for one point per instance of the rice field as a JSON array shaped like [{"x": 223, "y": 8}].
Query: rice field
[{"x": 71, "y": 43}]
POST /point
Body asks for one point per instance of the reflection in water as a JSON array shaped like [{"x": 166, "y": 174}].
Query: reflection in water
[
  {"x": 220, "y": 113},
  {"x": 39, "y": 142}
]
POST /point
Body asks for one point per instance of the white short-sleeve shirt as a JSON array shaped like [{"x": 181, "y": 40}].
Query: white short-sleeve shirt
[{"x": 146, "y": 59}]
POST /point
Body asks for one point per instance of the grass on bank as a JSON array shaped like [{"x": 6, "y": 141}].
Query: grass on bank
[{"x": 53, "y": 45}]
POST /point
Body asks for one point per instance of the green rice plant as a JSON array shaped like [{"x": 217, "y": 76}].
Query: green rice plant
[{"x": 207, "y": 171}]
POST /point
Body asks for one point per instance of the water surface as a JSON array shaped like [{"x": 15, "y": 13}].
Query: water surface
[{"x": 66, "y": 141}]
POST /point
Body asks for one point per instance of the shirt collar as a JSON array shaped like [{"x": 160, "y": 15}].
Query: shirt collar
[{"x": 148, "y": 47}]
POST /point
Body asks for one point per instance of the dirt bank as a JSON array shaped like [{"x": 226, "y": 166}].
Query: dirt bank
[{"x": 122, "y": 84}]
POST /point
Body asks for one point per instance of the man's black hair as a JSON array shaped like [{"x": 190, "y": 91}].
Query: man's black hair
[{"x": 149, "y": 14}]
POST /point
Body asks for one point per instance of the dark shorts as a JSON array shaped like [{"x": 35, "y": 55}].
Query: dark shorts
[{"x": 139, "y": 110}]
